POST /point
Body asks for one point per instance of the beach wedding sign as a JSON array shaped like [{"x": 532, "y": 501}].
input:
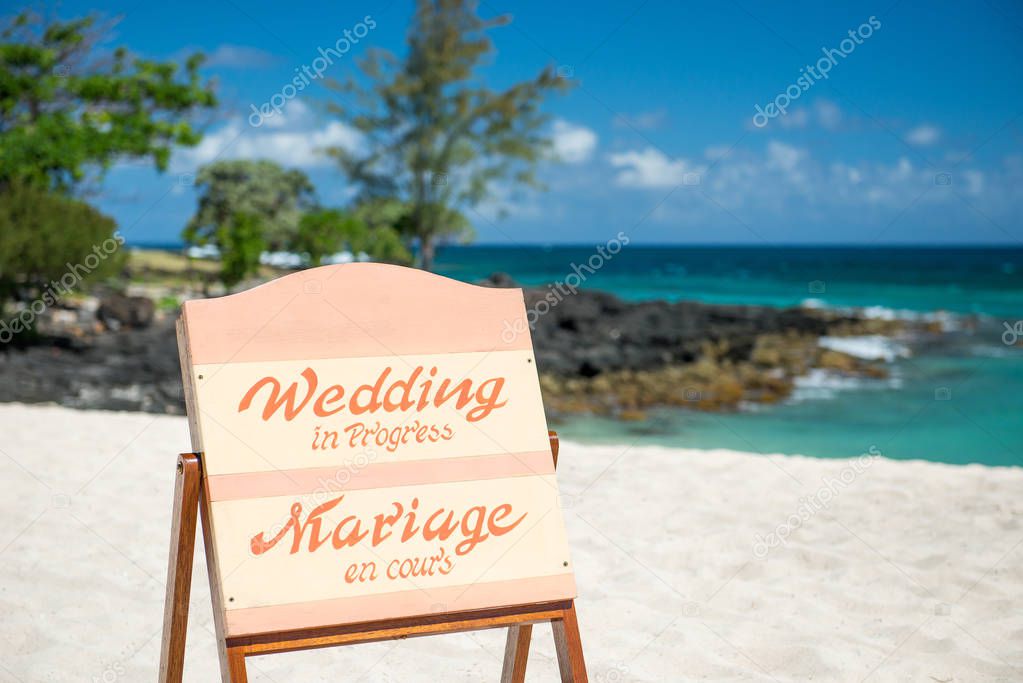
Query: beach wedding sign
[{"x": 371, "y": 461}]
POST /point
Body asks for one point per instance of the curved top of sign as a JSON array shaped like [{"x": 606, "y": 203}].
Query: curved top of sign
[{"x": 355, "y": 310}]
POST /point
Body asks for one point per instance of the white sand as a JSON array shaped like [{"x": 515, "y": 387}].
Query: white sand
[{"x": 913, "y": 572}]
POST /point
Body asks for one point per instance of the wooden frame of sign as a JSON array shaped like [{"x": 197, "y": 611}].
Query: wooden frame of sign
[{"x": 371, "y": 462}]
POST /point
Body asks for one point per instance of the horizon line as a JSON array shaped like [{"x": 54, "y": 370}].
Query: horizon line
[{"x": 161, "y": 245}]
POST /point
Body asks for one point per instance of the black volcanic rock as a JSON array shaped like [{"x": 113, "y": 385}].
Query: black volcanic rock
[
  {"x": 583, "y": 341},
  {"x": 133, "y": 369},
  {"x": 117, "y": 311},
  {"x": 592, "y": 332}
]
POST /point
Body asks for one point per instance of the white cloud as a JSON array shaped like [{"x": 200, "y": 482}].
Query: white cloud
[
  {"x": 783, "y": 157},
  {"x": 823, "y": 113},
  {"x": 716, "y": 152},
  {"x": 923, "y": 135},
  {"x": 797, "y": 118},
  {"x": 777, "y": 184},
  {"x": 829, "y": 116},
  {"x": 239, "y": 57},
  {"x": 974, "y": 181},
  {"x": 650, "y": 168},
  {"x": 647, "y": 120},
  {"x": 572, "y": 143},
  {"x": 294, "y": 139},
  {"x": 773, "y": 179}
]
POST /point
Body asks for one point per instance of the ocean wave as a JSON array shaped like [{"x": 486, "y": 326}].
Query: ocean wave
[
  {"x": 989, "y": 351},
  {"x": 867, "y": 347},
  {"x": 825, "y": 384},
  {"x": 949, "y": 321}
]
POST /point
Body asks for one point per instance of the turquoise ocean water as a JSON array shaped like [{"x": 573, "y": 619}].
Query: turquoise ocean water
[{"x": 959, "y": 402}]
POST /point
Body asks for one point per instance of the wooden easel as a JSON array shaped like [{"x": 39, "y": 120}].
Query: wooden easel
[{"x": 191, "y": 502}]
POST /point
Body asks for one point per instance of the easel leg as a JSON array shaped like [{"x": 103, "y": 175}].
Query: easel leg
[
  {"x": 236, "y": 665},
  {"x": 229, "y": 668},
  {"x": 516, "y": 654},
  {"x": 569, "y": 647},
  {"x": 179, "y": 569}
]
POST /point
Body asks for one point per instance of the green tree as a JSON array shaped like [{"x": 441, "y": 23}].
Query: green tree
[
  {"x": 51, "y": 243},
  {"x": 386, "y": 245},
  {"x": 438, "y": 139},
  {"x": 66, "y": 111},
  {"x": 276, "y": 196},
  {"x": 377, "y": 212},
  {"x": 327, "y": 231},
  {"x": 324, "y": 232},
  {"x": 393, "y": 219},
  {"x": 241, "y": 242}
]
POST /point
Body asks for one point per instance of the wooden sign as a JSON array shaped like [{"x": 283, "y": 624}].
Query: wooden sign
[{"x": 373, "y": 454}]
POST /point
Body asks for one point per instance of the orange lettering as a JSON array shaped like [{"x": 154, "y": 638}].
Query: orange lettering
[{"x": 276, "y": 400}]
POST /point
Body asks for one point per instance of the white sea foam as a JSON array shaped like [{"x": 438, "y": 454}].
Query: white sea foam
[
  {"x": 867, "y": 347},
  {"x": 948, "y": 321},
  {"x": 988, "y": 351},
  {"x": 825, "y": 384}
]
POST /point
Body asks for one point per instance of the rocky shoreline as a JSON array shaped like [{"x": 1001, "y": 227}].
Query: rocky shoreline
[
  {"x": 596, "y": 354},
  {"x": 600, "y": 354}
]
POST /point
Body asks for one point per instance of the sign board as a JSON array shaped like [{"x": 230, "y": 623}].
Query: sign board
[{"x": 374, "y": 446}]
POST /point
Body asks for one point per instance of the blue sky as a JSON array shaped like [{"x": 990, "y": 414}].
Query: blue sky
[{"x": 914, "y": 136}]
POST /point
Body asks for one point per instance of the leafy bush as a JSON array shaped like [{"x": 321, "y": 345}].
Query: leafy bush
[
  {"x": 327, "y": 231},
  {"x": 275, "y": 196},
  {"x": 68, "y": 111},
  {"x": 50, "y": 244},
  {"x": 241, "y": 242}
]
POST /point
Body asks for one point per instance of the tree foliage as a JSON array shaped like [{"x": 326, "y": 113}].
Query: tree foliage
[
  {"x": 241, "y": 241},
  {"x": 437, "y": 137},
  {"x": 327, "y": 231},
  {"x": 68, "y": 109},
  {"x": 50, "y": 243},
  {"x": 275, "y": 196}
]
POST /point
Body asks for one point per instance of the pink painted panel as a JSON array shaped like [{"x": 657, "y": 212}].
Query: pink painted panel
[
  {"x": 254, "y": 620},
  {"x": 330, "y": 480},
  {"x": 355, "y": 310}
]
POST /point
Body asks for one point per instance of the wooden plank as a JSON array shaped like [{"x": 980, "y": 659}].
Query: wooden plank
[
  {"x": 213, "y": 571},
  {"x": 569, "y": 646},
  {"x": 516, "y": 654},
  {"x": 516, "y": 649},
  {"x": 191, "y": 408},
  {"x": 413, "y": 602},
  {"x": 236, "y": 666},
  {"x": 179, "y": 569},
  {"x": 347, "y": 634}
]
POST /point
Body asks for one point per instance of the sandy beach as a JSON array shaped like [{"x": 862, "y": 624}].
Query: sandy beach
[{"x": 691, "y": 565}]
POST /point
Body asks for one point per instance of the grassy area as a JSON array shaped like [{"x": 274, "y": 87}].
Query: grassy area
[
  {"x": 174, "y": 269},
  {"x": 168, "y": 262}
]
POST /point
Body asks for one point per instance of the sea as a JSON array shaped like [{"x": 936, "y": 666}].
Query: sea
[{"x": 959, "y": 401}]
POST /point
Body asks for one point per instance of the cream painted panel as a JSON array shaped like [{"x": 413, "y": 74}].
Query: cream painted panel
[
  {"x": 503, "y": 413},
  {"x": 533, "y": 547}
]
